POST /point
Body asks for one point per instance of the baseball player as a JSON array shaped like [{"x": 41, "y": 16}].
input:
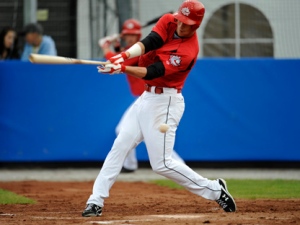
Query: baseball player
[
  {"x": 167, "y": 55},
  {"x": 130, "y": 34}
]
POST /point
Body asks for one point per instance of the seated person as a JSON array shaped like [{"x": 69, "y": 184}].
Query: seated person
[
  {"x": 36, "y": 42},
  {"x": 9, "y": 44}
]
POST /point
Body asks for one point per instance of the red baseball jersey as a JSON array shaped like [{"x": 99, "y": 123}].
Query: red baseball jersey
[
  {"x": 177, "y": 54},
  {"x": 136, "y": 85}
]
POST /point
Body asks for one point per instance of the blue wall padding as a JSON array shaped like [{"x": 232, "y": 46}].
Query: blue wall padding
[{"x": 236, "y": 110}]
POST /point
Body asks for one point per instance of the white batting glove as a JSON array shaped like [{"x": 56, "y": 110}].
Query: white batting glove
[
  {"x": 103, "y": 42},
  {"x": 111, "y": 68},
  {"x": 120, "y": 58}
]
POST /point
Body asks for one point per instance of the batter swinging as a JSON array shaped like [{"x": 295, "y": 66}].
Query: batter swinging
[{"x": 167, "y": 55}]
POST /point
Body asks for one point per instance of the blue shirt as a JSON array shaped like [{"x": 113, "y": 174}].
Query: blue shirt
[{"x": 47, "y": 47}]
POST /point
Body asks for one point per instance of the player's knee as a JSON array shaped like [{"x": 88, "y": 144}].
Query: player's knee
[{"x": 161, "y": 167}]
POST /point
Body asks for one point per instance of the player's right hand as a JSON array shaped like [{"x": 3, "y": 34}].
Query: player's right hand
[
  {"x": 120, "y": 58},
  {"x": 111, "y": 68}
]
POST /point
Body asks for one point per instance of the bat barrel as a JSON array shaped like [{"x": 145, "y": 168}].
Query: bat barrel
[{"x": 49, "y": 59}]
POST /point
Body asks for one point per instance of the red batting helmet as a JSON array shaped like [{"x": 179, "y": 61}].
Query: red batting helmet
[
  {"x": 191, "y": 12},
  {"x": 131, "y": 26}
]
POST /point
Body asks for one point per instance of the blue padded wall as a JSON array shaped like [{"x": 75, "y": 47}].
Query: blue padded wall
[{"x": 235, "y": 110}]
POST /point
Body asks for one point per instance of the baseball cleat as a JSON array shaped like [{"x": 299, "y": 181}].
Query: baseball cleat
[
  {"x": 125, "y": 170},
  {"x": 92, "y": 210},
  {"x": 222, "y": 182},
  {"x": 226, "y": 201}
]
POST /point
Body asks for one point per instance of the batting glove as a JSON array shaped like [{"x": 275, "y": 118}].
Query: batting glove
[
  {"x": 104, "y": 43},
  {"x": 111, "y": 68},
  {"x": 120, "y": 58}
]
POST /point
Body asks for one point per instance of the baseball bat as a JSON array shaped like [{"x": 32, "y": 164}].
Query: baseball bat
[
  {"x": 154, "y": 20},
  {"x": 49, "y": 59}
]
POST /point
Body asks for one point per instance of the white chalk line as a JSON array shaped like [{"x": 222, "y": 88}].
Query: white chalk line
[
  {"x": 119, "y": 221},
  {"x": 7, "y": 214},
  {"x": 142, "y": 218}
]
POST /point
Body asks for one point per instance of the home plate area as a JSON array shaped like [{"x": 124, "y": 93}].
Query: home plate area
[
  {"x": 137, "y": 203},
  {"x": 172, "y": 219}
]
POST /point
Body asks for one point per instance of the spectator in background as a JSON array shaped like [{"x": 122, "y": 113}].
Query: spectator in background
[
  {"x": 9, "y": 44},
  {"x": 36, "y": 42}
]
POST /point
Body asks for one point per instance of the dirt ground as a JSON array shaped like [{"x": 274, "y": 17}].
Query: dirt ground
[{"x": 137, "y": 203}]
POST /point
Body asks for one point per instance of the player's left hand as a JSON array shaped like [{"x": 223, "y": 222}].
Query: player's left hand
[
  {"x": 120, "y": 58},
  {"x": 111, "y": 68}
]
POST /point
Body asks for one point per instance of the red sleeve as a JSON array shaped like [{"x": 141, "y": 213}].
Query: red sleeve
[{"x": 162, "y": 27}]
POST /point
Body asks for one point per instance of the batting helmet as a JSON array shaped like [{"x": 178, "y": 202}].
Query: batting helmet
[
  {"x": 190, "y": 12},
  {"x": 131, "y": 26}
]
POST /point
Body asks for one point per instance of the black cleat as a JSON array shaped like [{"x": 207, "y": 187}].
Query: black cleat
[
  {"x": 226, "y": 201},
  {"x": 92, "y": 210},
  {"x": 125, "y": 170},
  {"x": 222, "y": 182}
]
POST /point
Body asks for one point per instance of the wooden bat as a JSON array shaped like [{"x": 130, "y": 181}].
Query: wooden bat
[{"x": 49, "y": 59}]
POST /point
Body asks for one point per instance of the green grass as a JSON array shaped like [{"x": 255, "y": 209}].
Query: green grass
[
  {"x": 7, "y": 197},
  {"x": 254, "y": 189}
]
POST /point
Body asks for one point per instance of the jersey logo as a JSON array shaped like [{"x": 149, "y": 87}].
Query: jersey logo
[
  {"x": 174, "y": 60},
  {"x": 185, "y": 11}
]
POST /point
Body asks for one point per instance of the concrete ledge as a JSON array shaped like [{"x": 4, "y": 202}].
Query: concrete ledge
[{"x": 142, "y": 174}]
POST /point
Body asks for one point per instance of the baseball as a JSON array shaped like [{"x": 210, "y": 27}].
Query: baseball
[{"x": 163, "y": 128}]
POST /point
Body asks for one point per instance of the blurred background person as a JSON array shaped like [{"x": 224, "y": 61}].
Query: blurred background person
[
  {"x": 37, "y": 42},
  {"x": 9, "y": 44},
  {"x": 111, "y": 46}
]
